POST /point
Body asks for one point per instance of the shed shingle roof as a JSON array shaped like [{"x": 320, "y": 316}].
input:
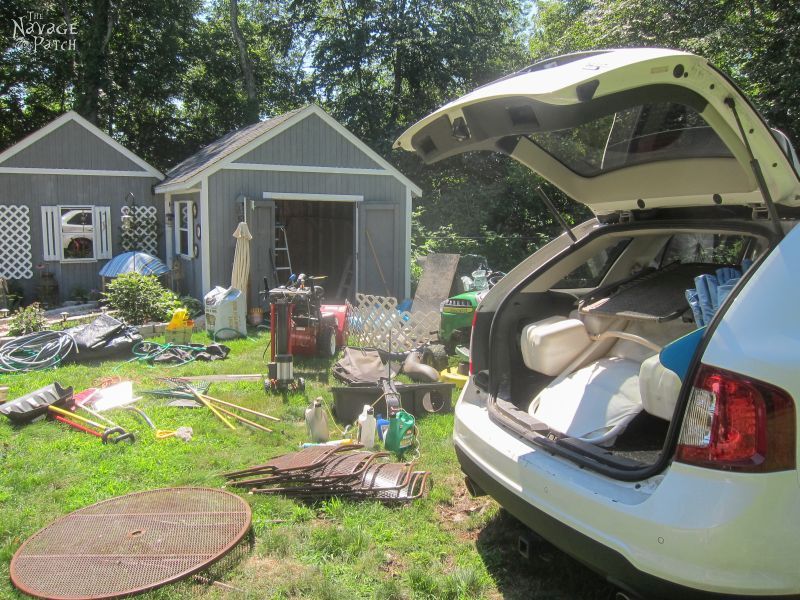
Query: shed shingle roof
[{"x": 222, "y": 147}]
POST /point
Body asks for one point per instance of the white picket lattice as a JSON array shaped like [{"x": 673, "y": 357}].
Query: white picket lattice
[
  {"x": 145, "y": 235},
  {"x": 15, "y": 242},
  {"x": 375, "y": 322}
]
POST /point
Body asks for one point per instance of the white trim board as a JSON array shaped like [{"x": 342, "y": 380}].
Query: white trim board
[
  {"x": 205, "y": 240},
  {"x": 82, "y": 172},
  {"x": 237, "y": 166},
  {"x": 407, "y": 248},
  {"x": 94, "y": 130},
  {"x": 312, "y": 197},
  {"x": 312, "y": 109}
]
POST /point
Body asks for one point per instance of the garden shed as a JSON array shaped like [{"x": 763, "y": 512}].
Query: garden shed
[
  {"x": 70, "y": 198},
  {"x": 301, "y": 180}
]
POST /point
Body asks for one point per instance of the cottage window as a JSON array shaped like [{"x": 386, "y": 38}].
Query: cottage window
[
  {"x": 76, "y": 233},
  {"x": 184, "y": 225}
]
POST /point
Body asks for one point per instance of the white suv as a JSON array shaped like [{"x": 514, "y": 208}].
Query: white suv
[{"x": 632, "y": 383}]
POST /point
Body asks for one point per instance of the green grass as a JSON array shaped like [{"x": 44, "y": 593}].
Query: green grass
[{"x": 446, "y": 546}]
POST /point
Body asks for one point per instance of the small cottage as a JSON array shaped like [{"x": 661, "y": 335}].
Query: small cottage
[
  {"x": 70, "y": 198},
  {"x": 317, "y": 200}
]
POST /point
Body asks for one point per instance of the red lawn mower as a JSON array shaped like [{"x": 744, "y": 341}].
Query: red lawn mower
[{"x": 301, "y": 325}]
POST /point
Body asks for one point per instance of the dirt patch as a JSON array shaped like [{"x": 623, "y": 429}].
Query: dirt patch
[
  {"x": 392, "y": 564},
  {"x": 278, "y": 568},
  {"x": 462, "y": 507}
]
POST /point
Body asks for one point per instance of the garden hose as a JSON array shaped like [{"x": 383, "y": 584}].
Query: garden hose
[{"x": 36, "y": 351}]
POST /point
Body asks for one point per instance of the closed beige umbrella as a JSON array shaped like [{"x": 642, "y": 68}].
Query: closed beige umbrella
[{"x": 241, "y": 258}]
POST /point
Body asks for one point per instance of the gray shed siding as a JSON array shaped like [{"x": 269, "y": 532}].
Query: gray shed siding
[
  {"x": 310, "y": 142},
  {"x": 71, "y": 146},
  {"x": 379, "y": 190},
  {"x": 189, "y": 278},
  {"x": 36, "y": 191}
]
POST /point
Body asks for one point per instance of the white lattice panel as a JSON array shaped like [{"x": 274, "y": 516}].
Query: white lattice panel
[
  {"x": 16, "y": 261},
  {"x": 145, "y": 236},
  {"x": 375, "y": 322}
]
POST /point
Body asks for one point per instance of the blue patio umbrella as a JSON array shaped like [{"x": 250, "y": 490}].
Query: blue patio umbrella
[{"x": 128, "y": 262}]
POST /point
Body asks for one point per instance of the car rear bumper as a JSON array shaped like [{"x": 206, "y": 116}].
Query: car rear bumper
[{"x": 680, "y": 535}]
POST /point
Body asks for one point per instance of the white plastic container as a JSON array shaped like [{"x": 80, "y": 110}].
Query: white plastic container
[
  {"x": 225, "y": 310},
  {"x": 317, "y": 422},
  {"x": 367, "y": 427}
]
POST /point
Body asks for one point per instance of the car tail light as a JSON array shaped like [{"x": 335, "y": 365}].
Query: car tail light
[
  {"x": 471, "y": 338},
  {"x": 736, "y": 423}
]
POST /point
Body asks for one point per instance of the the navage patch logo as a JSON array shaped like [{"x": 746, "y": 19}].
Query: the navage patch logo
[{"x": 34, "y": 32}]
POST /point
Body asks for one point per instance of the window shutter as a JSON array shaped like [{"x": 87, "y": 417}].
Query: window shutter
[
  {"x": 51, "y": 233},
  {"x": 190, "y": 237},
  {"x": 102, "y": 232},
  {"x": 176, "y": 220}
]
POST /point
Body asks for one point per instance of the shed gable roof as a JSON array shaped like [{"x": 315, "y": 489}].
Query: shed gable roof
[
  {"x": 221, "y": 148},
  {"x": 237, "y": 144},
  {"x": 311, "y": 142},
  {"x": 72, "y": 145}
]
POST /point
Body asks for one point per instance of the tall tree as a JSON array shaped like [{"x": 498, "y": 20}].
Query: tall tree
[
  {"x": 251, "y": 106},
  {"x": 93, "y": 76}
]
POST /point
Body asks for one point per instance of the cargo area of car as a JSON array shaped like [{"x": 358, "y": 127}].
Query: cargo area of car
[{"x": 597, "y": 346}]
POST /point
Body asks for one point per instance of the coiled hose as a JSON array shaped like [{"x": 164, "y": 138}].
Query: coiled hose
[{"x": 36, "y": 351}]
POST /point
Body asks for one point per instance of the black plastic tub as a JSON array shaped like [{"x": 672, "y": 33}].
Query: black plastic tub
[{"x": 419, "y": 399}]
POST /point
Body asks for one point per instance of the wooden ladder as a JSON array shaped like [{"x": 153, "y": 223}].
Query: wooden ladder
[{"x": 281, "y": 259}]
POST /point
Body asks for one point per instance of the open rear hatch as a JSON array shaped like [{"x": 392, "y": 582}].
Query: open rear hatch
[{"x": 620, "y": 130}]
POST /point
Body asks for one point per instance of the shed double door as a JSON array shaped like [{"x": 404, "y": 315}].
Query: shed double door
[
  {"x": 376, "y": 249},
  {"x": 262, "y": 228},
  {"x": 379, "y": 250}
]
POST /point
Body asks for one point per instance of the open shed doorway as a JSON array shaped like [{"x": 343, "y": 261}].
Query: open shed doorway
[{"x": 321, "y": 242}]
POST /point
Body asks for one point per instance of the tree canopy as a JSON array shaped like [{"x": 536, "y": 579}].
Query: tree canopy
[{"x": 165, "y": 77}]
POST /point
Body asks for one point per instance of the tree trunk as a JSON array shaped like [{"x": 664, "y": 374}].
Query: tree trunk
[
  {"x": 94, "y": 77},
  {"x": 252, "y": 112}
]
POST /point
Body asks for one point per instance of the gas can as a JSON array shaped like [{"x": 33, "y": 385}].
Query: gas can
[{"x": 400, "y": 434}]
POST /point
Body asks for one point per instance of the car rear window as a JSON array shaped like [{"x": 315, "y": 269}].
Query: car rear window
[
  {"x": 718, "y": 249},
  {"x": 634, "y": 136},
  {"x": 591, "y": 273}
]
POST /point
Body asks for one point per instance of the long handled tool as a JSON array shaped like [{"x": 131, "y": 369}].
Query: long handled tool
[
  {"x": 211, "y": 407},
  {"x": 215, "y": 405},
  {"x": 243, "y": 420},
  {"x": 113, "y": 434},
  {"x": 77, "y": 426},
  {"x": 241, "y": 408},
  {"x": 179, "y": 385}
]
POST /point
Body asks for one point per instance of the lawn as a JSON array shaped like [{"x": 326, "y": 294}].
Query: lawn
[{"x": 445, "y": 546}]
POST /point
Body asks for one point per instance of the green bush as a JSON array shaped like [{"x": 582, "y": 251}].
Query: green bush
[
  {"x": 27, "y": 320},
  {"x": 141, "y": 298}
]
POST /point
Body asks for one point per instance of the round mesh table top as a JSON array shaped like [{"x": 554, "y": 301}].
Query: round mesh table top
[{"x": 131, "y": 544}]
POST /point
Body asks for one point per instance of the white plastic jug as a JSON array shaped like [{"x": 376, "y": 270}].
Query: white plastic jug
[
  {"x": 317, "y": 422},
  {"x": 367, "y": 427}
]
